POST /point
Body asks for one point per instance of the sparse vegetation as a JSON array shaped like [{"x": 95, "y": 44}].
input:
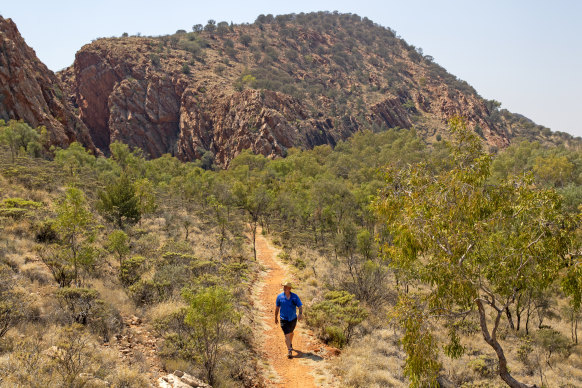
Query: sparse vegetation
[{"x": 451, "y": 243}]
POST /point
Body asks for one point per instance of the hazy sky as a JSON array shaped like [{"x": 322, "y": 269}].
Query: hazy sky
[{"x": 527, "y": 54}]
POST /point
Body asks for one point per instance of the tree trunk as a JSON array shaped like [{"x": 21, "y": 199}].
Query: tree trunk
[
  {"x": 222, "y": 238},
  {"x": 518, "y": 310},
  {"x": 491, "y": 339},
  {"x": 518, "y": 319},
  {"x": 254, "y": 233},
  {"x": 528, "y": 314},
  {"x": 314, "y": 233},
  {"x": 509, "y": 318}
]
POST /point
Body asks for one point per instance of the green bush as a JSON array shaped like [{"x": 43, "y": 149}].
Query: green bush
[
  {"x": 12, "y": 301},
  {"x": 337, "y": 316},
  {"x": 119, "y": 203},
  {"x": 552, "y": 342},
  {"x": 19, "y": 136},
  {"x": 80, "y": 303},
  {"x": 284, "y": 256},
  {"x": 131, "y": 270},
  {"x": 17, "y": 208},
  {"x": 483, "y": 365},
  {"x": 209, "y": 316},
  {"x": 300, "y": 263}
]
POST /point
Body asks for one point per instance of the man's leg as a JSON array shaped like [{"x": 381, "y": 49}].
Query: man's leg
[
  {"x": 290, "y": 346},
  {"x": 288, "y": 338}
]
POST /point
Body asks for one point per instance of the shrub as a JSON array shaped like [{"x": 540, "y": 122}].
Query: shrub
[
  {"x": 147, "y": 292},
  {"x": 552, "y": 342},
  {"x": 284, "y": 256},
  {"x": 131, "y": 270},
  {"x": 118, "y": 243},
  {"x": 119, "y": 203},
  {"x": 46, "y": 232},
  {"x": 75, "y": 224},
  {"x": 155, "y": 60},
  {"x": 219, "y": 69},
  {"x": 58, "y": 264},
  {"x": 245, "y": 40},
  {"x": 300, "y": 263},
  {"x": 130, "y": 378},
  {"x": 337, "y": 316},
  {"x": 191, "y": 46},
  {"x": 17, "y": 208},
  {"x": 483, "y": 365},
  {"x": 79, "y": 302},
  {"x": 34, "y": 273},
  {"x": 210, "y": 313},
  {"x": 20, "y": 136},
  {"x": 12, "y": 301},
  {"x": 71, "y": 355}
]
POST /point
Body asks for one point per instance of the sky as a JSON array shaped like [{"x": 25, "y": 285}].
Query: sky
[{"x": 527, "y": 54}]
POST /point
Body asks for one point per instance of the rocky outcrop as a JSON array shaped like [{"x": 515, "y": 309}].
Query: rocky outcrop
[
  {"x": 29, "y": 91},
  {"x": 179, "y": 379},
  {"x": 190, "y": 94},
  {"x": 390, "y": 113},
  {"x": 443, "y": 103},
  {"x": 123, "y": 96},
  {"x": 185, "y": 94},
  {"x": 264, "y": 121}
]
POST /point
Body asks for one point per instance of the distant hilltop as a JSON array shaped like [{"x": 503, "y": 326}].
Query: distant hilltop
[{"x": 298, "y": 80}]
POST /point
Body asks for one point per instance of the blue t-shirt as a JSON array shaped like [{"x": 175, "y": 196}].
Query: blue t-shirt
[{"x": 288, "y": 306}]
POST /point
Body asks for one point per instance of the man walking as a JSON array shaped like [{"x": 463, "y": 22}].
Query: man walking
[{"x": 287, "y": 302}]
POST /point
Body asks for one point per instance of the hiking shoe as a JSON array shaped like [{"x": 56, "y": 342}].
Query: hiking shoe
[{"x": 290, "y": 354}]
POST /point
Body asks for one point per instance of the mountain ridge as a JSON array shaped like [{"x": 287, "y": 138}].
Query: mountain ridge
[{"x": 297, "y": 80}]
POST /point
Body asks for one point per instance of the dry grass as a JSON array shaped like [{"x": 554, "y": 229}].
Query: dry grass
[
  {"x": 164, "y": 309},
  {"x": 114, "y": 295},
  {"x": 372, "y": 361},
  {"x": 38, "y": 356}
]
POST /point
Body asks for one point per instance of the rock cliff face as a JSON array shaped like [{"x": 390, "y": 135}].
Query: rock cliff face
[
  {"x": 187, "y": 94},
  {"x": 29, "y": 91},
  {"x": 293, "y": 81},
  {"x": 290, "y": 81},
  {"x": 123, "y": 97}
]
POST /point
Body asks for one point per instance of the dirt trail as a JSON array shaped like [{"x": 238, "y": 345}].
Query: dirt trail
[{"x": 306, "y": 369}]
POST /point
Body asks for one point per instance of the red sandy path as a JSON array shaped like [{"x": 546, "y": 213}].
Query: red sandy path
[{"x": 295, "y": 372}]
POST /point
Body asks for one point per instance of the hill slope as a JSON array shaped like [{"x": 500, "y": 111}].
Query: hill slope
[
  {"x": 321, "y": 77},
  {"x": 287, "y": 81},
  {"x": 29, "y": 91}
]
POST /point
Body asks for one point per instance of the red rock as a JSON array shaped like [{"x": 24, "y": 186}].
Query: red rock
[{"x": 29, "y": 91}]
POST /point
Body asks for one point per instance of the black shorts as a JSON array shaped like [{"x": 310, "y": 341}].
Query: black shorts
[{"x": 288, "y": 326}]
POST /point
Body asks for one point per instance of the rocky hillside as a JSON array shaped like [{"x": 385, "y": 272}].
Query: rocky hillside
[
  {"x": 294, "y": 80},
  {"x": 286, "y": 81},
  {"x": 29, "y": 91}
]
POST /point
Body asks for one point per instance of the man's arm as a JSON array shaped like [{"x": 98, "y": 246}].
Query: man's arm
[
  {"x": 276, "y": 314},
  {"x": 300, "y": 317}
]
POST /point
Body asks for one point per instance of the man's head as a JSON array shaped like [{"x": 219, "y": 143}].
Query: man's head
[{"x": 287, "y": 286}]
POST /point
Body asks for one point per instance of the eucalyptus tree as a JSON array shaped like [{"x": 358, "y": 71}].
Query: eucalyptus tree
[
  {"x": 471, "y": 246},
  {"x": 76, "y": 226}
]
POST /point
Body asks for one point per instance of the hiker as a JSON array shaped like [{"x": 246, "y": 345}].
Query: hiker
[{"x": 288, "y": 302}]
